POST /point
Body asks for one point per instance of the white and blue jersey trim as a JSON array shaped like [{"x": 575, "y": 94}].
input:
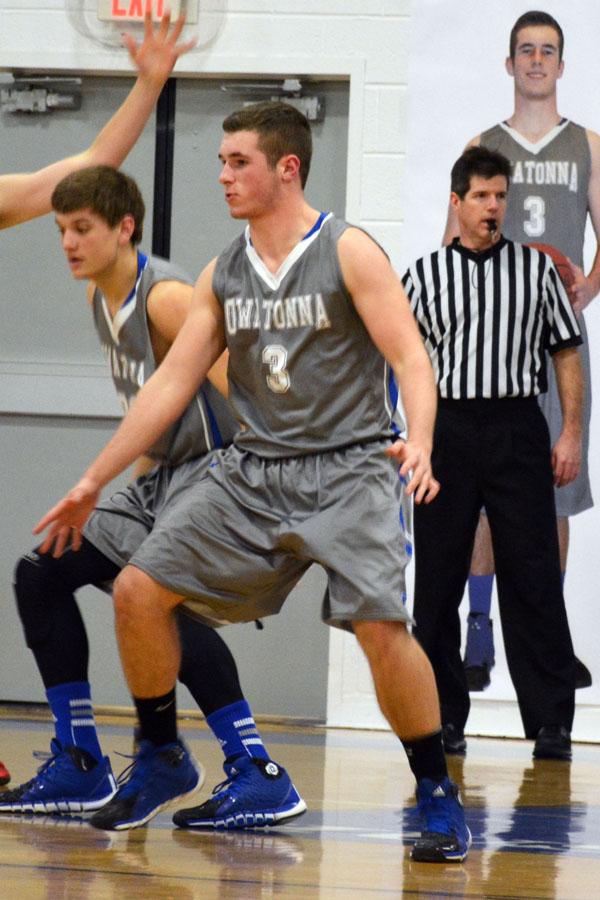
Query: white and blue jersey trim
[
  {"x": 273, "y": 280},
  {"x": 128, "y": 305}
]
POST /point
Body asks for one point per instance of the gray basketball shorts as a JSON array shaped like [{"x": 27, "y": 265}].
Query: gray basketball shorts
[
  {"x": 121, "y": 523},
  {"x": 575, "y": 497},
  {"x": 236, "y": 542}
]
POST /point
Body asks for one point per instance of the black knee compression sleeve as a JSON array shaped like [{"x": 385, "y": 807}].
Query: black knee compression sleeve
[
  {"x": 54, "y": 630},
  {"x": 208, "y": 669}
]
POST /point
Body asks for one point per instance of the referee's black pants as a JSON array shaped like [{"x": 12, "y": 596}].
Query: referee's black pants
[{"x": 495, "y": 453}]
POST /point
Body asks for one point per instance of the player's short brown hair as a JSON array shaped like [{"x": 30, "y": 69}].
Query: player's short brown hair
[
  {"x": 532, "y": 18},
  {"x": 281, "y": 129},
  {"x": 108, "y": 193},
  {"x": 477, "y": 161}
]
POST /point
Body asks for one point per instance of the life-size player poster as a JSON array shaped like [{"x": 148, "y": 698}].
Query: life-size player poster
[{"x": 459, "y": 87}]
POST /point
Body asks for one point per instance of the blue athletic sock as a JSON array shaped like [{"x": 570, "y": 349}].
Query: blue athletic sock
[
  {"x": 71, "y": 706},
  {"x": 480, "y": 594},
  {"x": 235, "y": 729}
]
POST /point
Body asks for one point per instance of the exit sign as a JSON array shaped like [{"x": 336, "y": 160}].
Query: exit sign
[{"x": 133, "y": 10}]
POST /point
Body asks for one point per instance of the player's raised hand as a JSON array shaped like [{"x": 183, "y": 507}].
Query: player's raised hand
[
  {"x": 65, "y": 520},
  {"x": 159, "y": 51},
  {"x": 415, "y": 468}
]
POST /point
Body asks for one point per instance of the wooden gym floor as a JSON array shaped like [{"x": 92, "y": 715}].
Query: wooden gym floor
[{"x": 536, "y": 828}]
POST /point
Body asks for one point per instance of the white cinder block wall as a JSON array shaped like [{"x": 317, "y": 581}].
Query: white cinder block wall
[{"x": 364, "y": 41}]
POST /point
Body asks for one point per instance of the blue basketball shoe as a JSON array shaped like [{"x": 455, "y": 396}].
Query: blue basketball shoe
[
  {"x": 70, "y": 780},
  {"x": 445, "y": 837},
  {"x": 156, "y": 777},
  {"x": 255, "y": 794}
]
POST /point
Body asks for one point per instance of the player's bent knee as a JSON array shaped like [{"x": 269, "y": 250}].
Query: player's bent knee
[
  {"x": 130, "y": 585},
  {"x": 134, "y": 589},
  {"x": 32, "y": 582}
]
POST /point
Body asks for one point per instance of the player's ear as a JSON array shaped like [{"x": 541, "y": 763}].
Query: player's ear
[
  {"x": 509, "y": 66},
  {"x": 289, "y": 167},
  {"x": 454, "y": 200},
  {"x": 561, "y": 68},
  {"x": 126, "y": 229}
]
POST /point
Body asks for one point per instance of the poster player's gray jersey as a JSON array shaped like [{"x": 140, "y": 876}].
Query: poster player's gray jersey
[
  {"x": 304, "y": 375},
  {"x": 548, "y": 204},
  {"x": 547, "y": 199},
  {"x": 207, "y": 421}
]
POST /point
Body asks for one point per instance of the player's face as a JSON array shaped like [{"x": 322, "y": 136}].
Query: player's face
[
  {"x": 536, "y": 66},
  {"x": 89, "y": 244},
  {"x": 251, "y": 187},
  {"x": 483, "y": 205}
]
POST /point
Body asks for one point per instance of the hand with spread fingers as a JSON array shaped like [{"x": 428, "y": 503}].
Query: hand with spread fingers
[
  {"x": 156, "y": 56},
  {"x": 66, "y": 520},
  {"x": 415, "y": 467}
]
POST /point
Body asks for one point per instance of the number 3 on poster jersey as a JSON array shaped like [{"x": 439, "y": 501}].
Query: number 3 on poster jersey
[
  {"x": 275, "y": 357},
  {"x": 535, "y": 226}
]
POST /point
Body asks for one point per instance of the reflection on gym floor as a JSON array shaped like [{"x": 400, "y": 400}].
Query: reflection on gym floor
[{"x": 536, "y": 827}]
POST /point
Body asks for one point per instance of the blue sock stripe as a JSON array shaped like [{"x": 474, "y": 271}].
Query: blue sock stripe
[
  {"x": 239, "y": 723},
  {"x": 235, "y": 729},
  {"x": 73, "y": 714}
]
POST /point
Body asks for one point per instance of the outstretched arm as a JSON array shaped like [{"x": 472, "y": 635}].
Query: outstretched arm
[
  {"x": 26, "y": 196},
  {"x": 383, "y": 306},
  {"x": 160, "y": 402}
]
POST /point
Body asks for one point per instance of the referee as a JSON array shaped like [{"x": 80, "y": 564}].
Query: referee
[{"x": 488, "y": 309}]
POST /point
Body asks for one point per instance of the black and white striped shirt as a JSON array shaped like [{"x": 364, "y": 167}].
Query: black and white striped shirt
[{"x": 487, "y": 318}]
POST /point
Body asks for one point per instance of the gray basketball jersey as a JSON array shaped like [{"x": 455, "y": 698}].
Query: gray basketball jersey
[
  {"x": 125, "y": 339},
  {"x": 304, "y": 374},
  {"x": 547, "y": 199}
]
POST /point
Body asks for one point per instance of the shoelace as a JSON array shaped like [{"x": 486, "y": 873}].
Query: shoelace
[
  {"x": 438, "y": 815},
  {"x": 131, "y": 778},
  {"x": 53, "y": 762},
  {"x": 50, "y": 759},
  {"x": 235, "y": 781}
]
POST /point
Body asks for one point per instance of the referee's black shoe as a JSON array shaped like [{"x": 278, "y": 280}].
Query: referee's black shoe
[
  {"x": 453, "y": 740},
  {"x": 553, "y": 742}
]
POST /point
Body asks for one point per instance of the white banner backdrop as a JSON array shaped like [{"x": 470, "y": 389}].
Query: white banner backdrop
[{"x": 458, "y": 87}]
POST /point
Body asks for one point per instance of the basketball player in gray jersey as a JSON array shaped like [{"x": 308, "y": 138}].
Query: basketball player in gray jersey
[
  {"x": 555, "y": 184},
  {"x": 310, "y": 309},
  {"x": 25, "y": 196},
  {"x": 339, "y": 394},
  {"x": 138, "y": 305}
]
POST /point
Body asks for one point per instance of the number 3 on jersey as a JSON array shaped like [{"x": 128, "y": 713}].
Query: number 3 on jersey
[
  {"x": 535, "y": 225},
  {"x": 275, "y": 357}
]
